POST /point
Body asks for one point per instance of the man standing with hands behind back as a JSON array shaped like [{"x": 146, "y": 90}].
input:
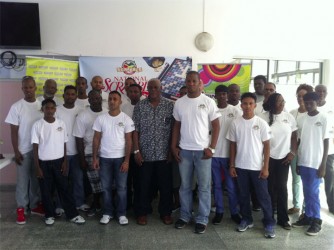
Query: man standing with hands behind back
[{"x": 194, "y": 113}]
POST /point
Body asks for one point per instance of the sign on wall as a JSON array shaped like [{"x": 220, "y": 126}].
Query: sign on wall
[
  {"x": 213, "y": 75},
  {"x": 115, "y": 70},
  {"x": 63, "y": 72}
]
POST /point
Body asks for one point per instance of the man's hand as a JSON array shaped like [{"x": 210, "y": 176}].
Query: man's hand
[
  {"x": 124, "y": 167},
  {"x": 39, "y": 173},
  {"x": 233, "y": 172},
  {"x": 176, "y": 154},
  {"x": 207, "y": 154},
  {"x": 64, "y": 168},
  {"x": 264, "y": 173},
  {"x": 321, "y": 171},
  {"x": 139, "y": 159},
  {"x": 96, "y": 164},
  {"x": 18, "y": 158}
]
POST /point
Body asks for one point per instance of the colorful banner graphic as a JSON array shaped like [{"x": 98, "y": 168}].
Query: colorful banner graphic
[
  {"x": 63, "y": 72},
  {"x": 115, "y": 70},
  {"x": 213, "y": 75}
]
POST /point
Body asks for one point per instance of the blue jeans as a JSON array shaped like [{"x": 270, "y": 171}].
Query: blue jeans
[
  {"x": 219, "y": 166},
  {"x": 244, "y": 179},
  {"x": 311, "y": 183},
  {"x": 76, "y": 176},
  {"x": 52, "y": 180},
  {"x": 110, "y": 171},
  {"x": 27, "y": 188},
  {"x": 191, "y": 161}
]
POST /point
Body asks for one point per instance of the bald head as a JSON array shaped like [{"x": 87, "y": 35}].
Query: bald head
[{"x": 50, "y": 88}]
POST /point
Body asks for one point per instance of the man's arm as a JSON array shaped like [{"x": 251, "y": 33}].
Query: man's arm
[
  {"x": 266, "y": 154},
  {"x": 64, "y": 166},
  {"x": 14, "y": 133},
  {"x": 175, "y": 140},
  {"x": 128, "y": 147},
  {"x": 96, "y": 146},
  {"x": 138, "y": 157},
  {"x": 322, "y": 168},
  {"x": 293, "y": 149},
  {"x": 233, "y": 152},
  {"x": 81, "y": 151},
  {"x": 214, "y": 138}
]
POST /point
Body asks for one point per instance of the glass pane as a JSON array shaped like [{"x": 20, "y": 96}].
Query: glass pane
[
  {"x": 309, "y": 65},
  {"x": 307, "y": 78},
  {"x": 259, "y": 68},
  {"x": 286, "y": 66}
]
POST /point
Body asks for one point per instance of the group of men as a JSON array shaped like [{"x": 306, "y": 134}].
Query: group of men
[{"x": 125, "y": 147}]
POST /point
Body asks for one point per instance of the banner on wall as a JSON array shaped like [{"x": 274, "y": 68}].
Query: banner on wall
[
  {"x": 213, "y": 75},
  {"x": 63, "y": 72},
  {"x": 115, "y": 70}
]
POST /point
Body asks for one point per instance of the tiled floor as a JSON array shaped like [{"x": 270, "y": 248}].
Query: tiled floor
[{"x": 155, "y": 235}]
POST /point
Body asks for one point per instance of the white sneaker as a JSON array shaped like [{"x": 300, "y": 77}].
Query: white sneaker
[
  {"x": 123, "y": 220},
  {"x": 78, "y": 220},
  {"x": 83, "y": 207},
  {"x": 105, "y": 219},
  {"x": 49, "y": 221},
  {"x": 59, "y": 212}
]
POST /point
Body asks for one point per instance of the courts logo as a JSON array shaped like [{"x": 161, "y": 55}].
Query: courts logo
[{"x": 129, "y": 67}]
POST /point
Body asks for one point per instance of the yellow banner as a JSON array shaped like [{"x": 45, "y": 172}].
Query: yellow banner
[{"x": 63, "y": 72}]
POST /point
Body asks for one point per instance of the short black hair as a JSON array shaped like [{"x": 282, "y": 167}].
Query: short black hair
[
  {"x": 130, "y": 78},
  {"x": 136, "y": 85},
  {"x": 193, "y": 72},
  {"x": 94, "y": 91},
  {"x": 115, "y": 92},
  {"x": 67, "y": 87},
  {"x": 46, "y": 101},
  {"x": 306, "y": 87},
  {"x": 248, "y": 94},
  {"x": 312, "y": 96},
  {"x": 80, "y": 77},
  {"x": 260, "y": 77},
  {"x": 221, "y": 88},
  {"x": 270, "y": 104}
]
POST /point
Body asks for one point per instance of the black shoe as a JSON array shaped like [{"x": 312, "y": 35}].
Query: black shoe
[
  {"x": 256, "y": 209},
  {"x": 179, "y": 224},
  {"x": 305, "y": 221},
  {"x": 217, "y": 219},
  {"x": 315, "y": 227},
  {"x": 236, "y": 218},
  {"x": 199, "y": 228},
  {"x": 286, "y": 225}
]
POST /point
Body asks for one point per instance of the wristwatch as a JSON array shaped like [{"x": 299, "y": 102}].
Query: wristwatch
[
  {"x": 136, "y": 151},
  {"x": 212, "y": 150}
]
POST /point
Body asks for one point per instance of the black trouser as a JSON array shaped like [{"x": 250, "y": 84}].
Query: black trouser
[
  {"x": 132, "y": 182},
  {"x": 161, "y": 172},
  {"x": 54, "y": 179},
  {"x": 277, "y": 186},
  {"x": 329, "y": 182}
]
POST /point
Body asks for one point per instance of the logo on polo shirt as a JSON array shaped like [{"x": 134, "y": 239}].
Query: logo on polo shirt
[
  {"x": 318, "y": 124},
  {"x": 256, "y": 127},
  {"x": 285, "y": 121},
  {"x": 121, "y": 124},
  {"x": 59, "y": 129},
  {"x": 230, "y": 115},
  {"x": 201, "y": 106}
]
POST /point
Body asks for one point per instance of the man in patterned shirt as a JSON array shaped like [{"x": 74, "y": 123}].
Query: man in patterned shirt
[{"x": 153, "y": 118}]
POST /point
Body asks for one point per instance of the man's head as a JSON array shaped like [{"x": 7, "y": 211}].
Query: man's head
[
  {"x": 269, "y": 88},
  {"x": 70, "y": 95},
  {"x": 193, "y": 83},
  {"x": 321, "y": 90},
  {"x": 221, "y": 94},
  {"x": 50, "y": 88},
  {"x": 49, "y": 108},
  {"x": 81, "y": 84},
  {"x": 154, "y": 88},
  {"x": 114, "y": 100},
  {"x": 183, "y": 91},
  {"x": 97, "y": 83},
  {"x": 28, "y": 88},
  {"x": 95, "y": 99},
  {"x": 248, "y": 103},
  {"x": 233, "y": 93},
  {"x": 128, "y": 82},
  {"x": 259, "y": 82},
  {"x": 310, "y": 101},
  {"x": 134, "y": 92}
]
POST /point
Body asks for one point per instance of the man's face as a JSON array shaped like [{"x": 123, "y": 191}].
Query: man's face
[
  {"x": 233, "y": 93},
  {"x": 50, "y": 88},
  {"x": 134, "y": 94},
  {"x": 154, "y": 89},
  {"x": 269, "y": 89},
  {"x": 28, "y": 89},
  {"x": 81, "y": 85},
  {"x": 193, "y": 84},
  {"x": 127, "y": 84},
  {"x": 248, "y": 105},
  {"x": 95, "y": 99},
  {"x": 97, "y": 83},
  {"x": 114, "y": 102},
  {"x": 259, "y": 86},
  {"x": 321, "y": 90},
  {"x": 70, "y": 96},
  {"x": 49, "y": 110},
  {"x": 221, "y": 97},
  {"x": 310, "y": 106}
]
